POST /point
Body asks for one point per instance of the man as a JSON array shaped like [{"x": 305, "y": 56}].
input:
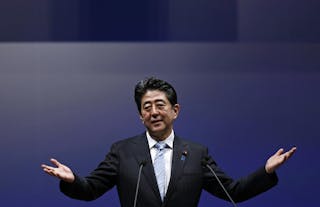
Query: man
[{"x": 173, "y": 171}]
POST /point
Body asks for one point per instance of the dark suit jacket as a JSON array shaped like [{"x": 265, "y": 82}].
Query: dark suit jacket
[{"x": 188, "y": 177}]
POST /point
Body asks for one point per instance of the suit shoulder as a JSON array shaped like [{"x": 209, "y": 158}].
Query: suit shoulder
[
  {"x": 192, "y": 144},
  {"x": 124, "y": 142}
]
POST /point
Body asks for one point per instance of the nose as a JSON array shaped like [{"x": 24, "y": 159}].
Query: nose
[{"x": 154, "y": 111}]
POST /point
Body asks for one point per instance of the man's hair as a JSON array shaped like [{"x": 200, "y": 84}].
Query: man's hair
[{"x": 151, "y": 84}]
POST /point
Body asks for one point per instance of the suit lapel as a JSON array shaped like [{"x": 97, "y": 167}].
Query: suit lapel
[
  {"x": 143, "y": 154},
  {"x": 179, "y": 159}
]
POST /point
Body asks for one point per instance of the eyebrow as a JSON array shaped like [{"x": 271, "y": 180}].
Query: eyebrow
[{"x": 156, "y": 101}]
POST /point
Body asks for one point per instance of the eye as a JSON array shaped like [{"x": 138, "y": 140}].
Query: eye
[
  {"x": 147, "y": 107},
  {"x": 161, "y": 106}
]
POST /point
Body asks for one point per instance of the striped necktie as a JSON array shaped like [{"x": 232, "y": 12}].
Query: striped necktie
[{"x": 159, "y": 167}]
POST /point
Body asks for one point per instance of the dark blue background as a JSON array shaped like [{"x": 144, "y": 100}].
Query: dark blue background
[
  {"x": 160, "y": 20},
  {"x": 246, "y": 72}
]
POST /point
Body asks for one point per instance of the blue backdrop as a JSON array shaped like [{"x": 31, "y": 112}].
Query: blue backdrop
[{"x": 248, "y": 83}]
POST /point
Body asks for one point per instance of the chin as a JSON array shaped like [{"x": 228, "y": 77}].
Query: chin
[{"x": 156, "y": 131}]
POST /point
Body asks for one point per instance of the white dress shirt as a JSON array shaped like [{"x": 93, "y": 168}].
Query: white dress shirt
[{"x": 167, "y": 154}]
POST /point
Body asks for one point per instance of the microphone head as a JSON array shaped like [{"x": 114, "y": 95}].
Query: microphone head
[
  {"x": 204, "y": 161},
  {"x": 142, "y": 162},
  {"x": 185, "y": 152}
]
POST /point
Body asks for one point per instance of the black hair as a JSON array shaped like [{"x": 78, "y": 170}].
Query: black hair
[{"x": 150, "y": 84}]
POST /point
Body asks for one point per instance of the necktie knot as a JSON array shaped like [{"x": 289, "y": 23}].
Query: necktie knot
[{"x": 160, "y": 146}]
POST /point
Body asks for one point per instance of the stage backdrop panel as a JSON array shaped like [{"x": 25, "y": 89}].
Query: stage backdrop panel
[{"x": 71, "y": 101}]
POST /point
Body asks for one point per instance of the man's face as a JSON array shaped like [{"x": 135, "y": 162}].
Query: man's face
[{"x": 157, "y": 114}]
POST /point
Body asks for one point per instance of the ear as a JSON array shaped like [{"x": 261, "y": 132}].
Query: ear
[
  {"x": 176, "y": 110},
  {"x": 141, "y": 118}
]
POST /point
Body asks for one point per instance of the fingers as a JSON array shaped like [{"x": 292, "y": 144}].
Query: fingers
[
  {"x": 290, "y": 152},
  {"x": 59, "y": 170},
  {"x": 279, "y": 152},
  {"x": 55, "y": 162},
  {"x": 52, "y": 170},
  {"x": 48, "y": 169},
  {"x": 285, "y": 155},
  {"x": 293, "y": 149},
  {"x": 278, "y": 159}
]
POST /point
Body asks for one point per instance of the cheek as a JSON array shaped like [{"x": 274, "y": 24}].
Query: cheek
[
  {"x": 172, "y": 115},
  {"x": 144, "y": 116}
]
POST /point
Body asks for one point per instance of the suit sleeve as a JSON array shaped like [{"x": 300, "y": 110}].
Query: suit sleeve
[
  {"x": 241, "y": 189},
  {"x": 102, "y": 179}
]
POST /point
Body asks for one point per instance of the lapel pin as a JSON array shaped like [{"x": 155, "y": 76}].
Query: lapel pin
[{"x": 184, "y": 155}]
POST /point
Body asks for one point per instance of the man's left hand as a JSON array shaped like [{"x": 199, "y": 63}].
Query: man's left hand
[{"x": 278, "y": 159}]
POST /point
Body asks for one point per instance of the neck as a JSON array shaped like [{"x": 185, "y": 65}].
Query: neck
[{"x": 160, "y": 136}]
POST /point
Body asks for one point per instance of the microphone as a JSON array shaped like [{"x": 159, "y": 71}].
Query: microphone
[
  {"x": 141, "y": 165},
  {"x": 205, "y": 163}
]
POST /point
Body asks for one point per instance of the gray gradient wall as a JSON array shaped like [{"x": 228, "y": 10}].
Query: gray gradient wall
[{"x": 72, "y": 101}]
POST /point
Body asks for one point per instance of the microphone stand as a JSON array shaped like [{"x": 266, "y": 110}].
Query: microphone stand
[
  {"x": 138, "y": 183},
  {"x": 215, "y": 175}
]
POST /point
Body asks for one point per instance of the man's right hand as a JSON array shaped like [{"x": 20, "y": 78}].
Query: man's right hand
[{"x": 61, "y": 171}]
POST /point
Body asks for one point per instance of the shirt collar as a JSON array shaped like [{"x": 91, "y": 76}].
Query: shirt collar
[{"x": 168, "y": 140}]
